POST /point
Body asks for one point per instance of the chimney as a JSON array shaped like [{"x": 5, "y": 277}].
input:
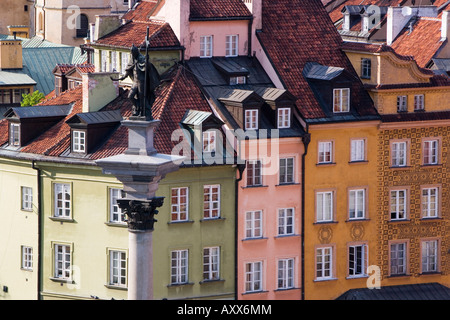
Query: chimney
[
  {"x": 445, "y": 25},
  {"x": 99, "y": 90},
  {"x": 176, "y": 13},
  {"x": 11, "y": 54},
  {"x": 255, "y": 7},
  {"x": 105, "y": 24}
]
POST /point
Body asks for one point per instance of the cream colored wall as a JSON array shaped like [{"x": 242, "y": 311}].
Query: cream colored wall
[{"x": 13, "y": 13}]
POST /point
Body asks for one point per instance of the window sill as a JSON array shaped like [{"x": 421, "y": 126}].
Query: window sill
[
  {"x": 399, "y": 220},
  {"x": 62, "y": 219},
  {"x": 26, "y": 210},
  {"x": 430, "y": 218},
  {"x": 116, "y": 224},
  {"x": 431, "y": 273},
  {"x": 398, "y": 275},
  {"x": 357, "y": 220},
  {"x": 322, "y": 280},
  {"x": 254, "y": 292},
  {"x": 253, "y": 239},
  {"x": 287, "y": 184},
  {"x": 325, "y": 164},
  {"x": 62, "y": 280},
  {"x": 180, "y": 284},
  {"x": 212, "y": 219},
  {"x": 358, "y": 162},
  {"x": 286, "y": 289},
  {"x": 357, "y": 277},
  {"x": 431, "y": 165},
  {"x": 281, "y": 236},
  {"x": 24, "y": 269},
  {"x": 116, "y": 287},
  {"x": 324, "y": 222},
  {"x": 400, "y": 167},
  {"x": 180, "y": 222},
  {"x": 211, "y": 281},
  {"x": 256, "y": 186}
]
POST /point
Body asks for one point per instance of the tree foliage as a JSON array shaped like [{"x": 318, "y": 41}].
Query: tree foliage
[{"x": 32, "y": 99}]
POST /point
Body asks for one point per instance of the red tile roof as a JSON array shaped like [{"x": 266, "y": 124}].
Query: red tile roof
[
  {"x": 335, "y": 7},
  {"x": 291, "y": 42},
  {"x": 134, "y": 32},
  {"x": 218, "y": 9},
  {"x": 142, "y": 11}
]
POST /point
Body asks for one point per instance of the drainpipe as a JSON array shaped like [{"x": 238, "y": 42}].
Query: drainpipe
[
  {"x": 250, "y": 27},
  {"x": 306, "y": 139},
  {"x": 240, "y": 168},
  {"x": 39, "y": 248}
]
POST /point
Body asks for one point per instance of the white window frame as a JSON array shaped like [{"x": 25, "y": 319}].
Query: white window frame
[
  {"x": 358, "y": 150},
  {"x": 284, "y": 118},
  {"x": 176, "y": 208},
  {"x": 209, "y": 141},
  {"x": 104, "y": 60},
  {"x": 232, "y": 45},
  {"x": 286, "y": 221},
  {"x": 286, "y": 273},
  {"x": 78, "y": 141},
  {"x": 115, "y": 213},
  {"x": 179, "y": 267},
  {"x": 324, "y": 263},
  {"x": 235, "y": 80},
  {"x": 27, "y": 258},
  {"x": 324, "y": 213},
  {"x": 254, "y": 176},
  {"x": 27, "y": 198},
  {"x": 341, "y": 100},
  {"x": 287, "y": 170},
  {"x": 64, "y": 211},
  {"x": 253, "y": 224},
  {"x": 14, "y": 134},
  {"x": 356, "y": 204},
  {"x": 253, "y": 276},
  {"x": 113, "y": 60},
  {"x": 206, "y": 46},
  {"x": 366, "y": 68},
  {"x": 357, "y": 267},
  {"x": 211, "y": 201},
  {"x": 430, "y": 255},
  {"x": 118, "y": 272},
  {"x": 399, "y": 151},
  {"x": 124, "y": 60},
  {"x": 419, "y": 102},
  {"x": 431, "y": 152},
  {"x": 398, "y": 210},
  {"x": 251, "y": 119},
  {"x": 402, "y": 103},
  {"x": 430, "y": 206},
  {"x": 62, "y": 261},
  {"x": 397, "y": 258},
  {"x": 325, "y": 152},
  {"x": 211, "y": 263}
]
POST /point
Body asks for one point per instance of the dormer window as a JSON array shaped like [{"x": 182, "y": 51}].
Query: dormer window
[
  {"x": 238, "y": 80},
  {"x": 284, "y": 118},
  {"x": 251, "y": 119},
  {"x": 232, "y": 45},
  {"x": 366, "y": 68},
  {"x": 78, "y": 141},
  {"x": 14, "y": 134},
  {"x": 209, "y": 141},
  {"x": 341, "y": 100}
]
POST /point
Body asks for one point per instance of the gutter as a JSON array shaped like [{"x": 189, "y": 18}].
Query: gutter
[
  {"x": 306, "y": 139},
  {"x": 39, "y": 253},
  {"x": 241, "y": 168}
]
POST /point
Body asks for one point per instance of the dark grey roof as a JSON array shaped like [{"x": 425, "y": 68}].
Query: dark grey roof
[
  {"x": 353, "y": 9},
  {"x": 313, "y": 70},
  {"x": 236, "y": 95},
  {"x": 38, "y": 111},
  {"x": 442, "y": 64},
  {"x": 423, "y": 291},
  {"x": 15, "y": 77},
  {"x": 230, "y": 66},
  {"x": 96, "y": 117}
]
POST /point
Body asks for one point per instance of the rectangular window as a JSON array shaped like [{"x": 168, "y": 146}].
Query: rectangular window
[
  {"x": 27, "y": 198},
  {"x": 125, "y": 58},
  {"x": 115, "y": 213},
  {"x": 366, "y": 68},
  {"x": 253, "y": 224},
  {"x": 103, "y": 61},
  {"x": 285, "y": 221},
  {"x": 398, "y": 155},
  {"x": 419, "y": 103},
  {"x": 211, "y": 263},
  {"x": 341, "y": 100},
  {"x": 402, "y": 105},
  {"x": 357, "y": 260},
  {"x": 238, "y": 80},
  {"x": 78, "y": 141},
  {"x": 285, "y": 273},
  {"x": 398, "y": 204},
  {"x": 14, "y": 134},
  {"x": 430, "y": 202},
  {"x": 325, "y": 152},
  {"x": 253, "y": 276},
  {"x": 430, "y": 256},
  {"x": 430, "y": 152},
  {"x": 251, "y": 119},
  {"x": 324, "y": 206},
  {"x": 398, "y": 258},
  {"x": 324, "y": 263},
  {"x": 27, "y": 258},
  {"x": 357, "y": 204},
  {"x": 209, "y": 141},
  {"x": 254, "y": 173},
  {"x": 179, "y": 267},
  {"x": 357, "y": 152},
  {"x": 231, "y": 49},
  {"x": 179, "y": 204},
  {"x": 113, "y": 64},
  {"x": 63, "y": 261},
  {"x": 206, "y": 43},
  {"x": 62, "y": 200},
  {"x": 118, "y": 268},
  {"x": 286, "y": 170},
  {"x": 284, "y": 118},
  {"x": 211, "y": 201}
]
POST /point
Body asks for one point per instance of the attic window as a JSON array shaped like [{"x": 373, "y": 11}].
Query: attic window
[
  {"x": 78, "y": 141},
  {"x": 251, "y": 119},
  {"x": 284, "y": 118},
  {"x": 366, "y": 68},
  {"x": 238, "y": 80},
  {"x": 341, "y": 100},
  {"x": 14, "y": 134},
  {"x": 209, "y": 141}
]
